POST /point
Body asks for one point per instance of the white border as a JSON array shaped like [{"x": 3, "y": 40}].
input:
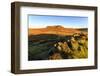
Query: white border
[{"x": 25, "y": 64}]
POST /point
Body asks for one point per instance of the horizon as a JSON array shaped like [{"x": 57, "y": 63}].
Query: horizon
[
  {"x": 58, "y": 25},
  {"x": 42, "y": 21}
]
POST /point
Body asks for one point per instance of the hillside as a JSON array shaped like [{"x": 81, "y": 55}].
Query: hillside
[
  {"x": 51, "y": 47},
  {"x": 59, "y": 30},
  {"x": 57, "y": 42}
]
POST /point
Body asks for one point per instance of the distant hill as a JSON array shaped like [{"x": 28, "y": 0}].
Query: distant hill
[{"x": 58, "y": 29}]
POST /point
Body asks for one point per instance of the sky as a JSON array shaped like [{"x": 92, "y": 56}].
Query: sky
[{"x": 41, "y": 21}]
